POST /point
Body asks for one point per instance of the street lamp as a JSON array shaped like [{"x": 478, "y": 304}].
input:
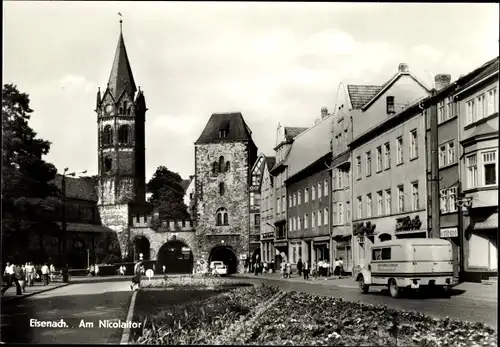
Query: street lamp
[{"x": 62, "y": 241}]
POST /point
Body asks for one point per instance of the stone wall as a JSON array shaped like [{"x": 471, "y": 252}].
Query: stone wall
[
  {"x": 116, "y": 217},
  {"x": 235, "y": 198}
]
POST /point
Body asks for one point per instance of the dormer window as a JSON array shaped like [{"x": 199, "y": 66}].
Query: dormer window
[
  {"x": 223, "y": 129},
  {"x": 222, "y": 133},
  {"x": 390, "y": 105}
]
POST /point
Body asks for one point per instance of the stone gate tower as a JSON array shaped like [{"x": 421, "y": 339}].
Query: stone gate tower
[
  {"x": 121, "y": 114},
  {"x": 224, "y": 156}
]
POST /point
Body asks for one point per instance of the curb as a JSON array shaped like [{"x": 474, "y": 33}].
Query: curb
[
  {"x": 126, "y": 331},
  {"x": 34, "y": 293}
]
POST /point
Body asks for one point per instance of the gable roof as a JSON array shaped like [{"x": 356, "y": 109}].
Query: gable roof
[
  {"x": 78, "y": 188},
  {"x": 487, "y": 69},
  {"x": 308, "y": 147},
  {"x": 121, "y": 78},
  {"x": 292, "y": 132},
  {"x": 237, "y": 129}
]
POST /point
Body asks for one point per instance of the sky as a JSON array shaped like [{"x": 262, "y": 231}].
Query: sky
[{"x": 273, "y": 62}]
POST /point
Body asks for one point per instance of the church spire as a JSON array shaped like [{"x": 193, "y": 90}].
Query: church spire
[{"x": 121, "y": 77}]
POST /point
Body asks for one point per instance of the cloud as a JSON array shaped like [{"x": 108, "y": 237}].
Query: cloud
[{"x": 427, "y": 52}]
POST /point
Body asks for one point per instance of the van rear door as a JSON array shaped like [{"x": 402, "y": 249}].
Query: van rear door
[{"x": 432, "y": 259}]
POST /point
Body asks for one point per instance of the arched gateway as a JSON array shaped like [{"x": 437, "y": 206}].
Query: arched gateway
[
  {"x": 226, "y": 255},
  {"x": 176, "y": 256}
]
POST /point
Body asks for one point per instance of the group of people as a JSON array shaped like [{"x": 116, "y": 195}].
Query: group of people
[
  {"x": 93, "y": 270},
  {"x": 22, "y": 275},
  {"x": 316, "y": 269}
]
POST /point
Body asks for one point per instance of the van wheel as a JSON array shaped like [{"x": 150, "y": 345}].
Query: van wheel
[
  {"x": 362, "y": 286},
  {"x": 393, "y": 288}
]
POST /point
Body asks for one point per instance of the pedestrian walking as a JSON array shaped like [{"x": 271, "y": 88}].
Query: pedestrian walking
[
  {"x": 314, "y": 270},
  {"x": 21, "y": 277},
  {"x": 136, "y": 280},
  {"x": 96, "y": 269},
  {"x": 299, "y": 266},
  {"x": 92, "y": 270},
  {"x": 336, "y": 271},
  {"x": 305, "y": 270},
  {"x": 45, "y": 274},
  {"x": 52, "y": 272},
  {"x": 341, "y": 265},
  {"x": 10, "y": 275}
]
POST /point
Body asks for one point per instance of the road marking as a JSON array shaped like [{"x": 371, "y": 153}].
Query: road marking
[{"x": 126, "y": 331}]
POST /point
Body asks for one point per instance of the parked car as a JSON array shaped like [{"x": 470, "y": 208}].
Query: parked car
[
  {"x": 218, "y": 268},
  {"x": 408, "y": 264}
]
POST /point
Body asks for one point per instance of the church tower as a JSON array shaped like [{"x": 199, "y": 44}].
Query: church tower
[{"x": 121, "y": 111}]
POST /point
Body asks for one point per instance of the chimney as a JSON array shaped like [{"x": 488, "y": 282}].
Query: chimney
[
  {"x": 324, "y": 112},
  {"x": 441, "y": 81},
  {"x": 403, "y": 68}
]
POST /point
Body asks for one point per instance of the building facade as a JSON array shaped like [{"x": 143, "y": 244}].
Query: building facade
[
  {"x": 308, "y": 191},
  {"x": 224, "y": 155},
  {"x": 284, "y": 140},
  {"x": 389, "y": 163},
  {"x": 255, "y": 206},
  {"x": 478, "y": 136},
  {"x": 267, "y": 227}
]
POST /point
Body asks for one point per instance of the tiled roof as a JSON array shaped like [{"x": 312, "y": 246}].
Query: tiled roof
[
  {"x": 237, "y": 129},
  {"x": 310, "y": 146},
  {"x": 292, "y": 132},
  {"x": 487, "y": 68},
  {"x": 270, "y": 162},
  {"x": 362, "y": 94},
  {"x": 78, "y": 188},
  {"x": 121, "y": 77}
]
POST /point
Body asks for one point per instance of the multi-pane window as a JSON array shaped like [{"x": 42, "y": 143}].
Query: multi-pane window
[
  {"x": 313, "y": 193},
  {"x": 492, "y": 101},
  {"x": 313, "y": 223},
  {"x": 387, "y": 201},
  {"x": 340, "y": 175},
  {"x": 358, "y": 168},
  {"x": 320, "y": 218},
  {"x": 306, "y": 221},
  {"x": 379, "y": 158},
  {"x": 489, "y": 168},
  {"x": 401, "y": 198},
  {"x": 415, "y": 204},
  {"x": 368, "y": 205},
  {"x": 359, "y": 208},
  {"x": 450, "y": 111},
  {"x": 325, "y": 216},
  {"x": 448, "y": 200},
  {"x": 306, "y": 195},
  {"x": 283, "y": 207},
  {"x": 471, "y": 112},
  {"x": 380, "y": 203},
  {"x": 334, "y": 179},
  {"x": 299, "y": 197},
  {"x": 340, "y": 213},
  {"x": 413, "y": 144},
  {"x": 278, "y": 206},
  {"x": 447, "y": 154},
  {"x": 400, "y": 149},
  {"x": 368, "y": 157},
  {"x": 441, "y": 112},
  {"x": 325, "y": 188},
  {"x": 334, "y": 212},
  {"x": 319, "y": 190},
  {"x": 472, "y": 171},
  {"x": 387, "y": 155},
  {"x": 294, "y": 199},
  {"x": 290, "y": 201},
  {"x": 347, "y": 212},
  {"x": 290, "y": 224},
  {"x": 481, "y": 105}
]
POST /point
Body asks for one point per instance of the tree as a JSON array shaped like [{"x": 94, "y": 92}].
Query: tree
[
  {"x": 29, "y": 198},
  {"x": 168, "y": 195}
]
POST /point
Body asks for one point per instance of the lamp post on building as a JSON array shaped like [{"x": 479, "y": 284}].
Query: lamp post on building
[{"x": 62, "y": 239}]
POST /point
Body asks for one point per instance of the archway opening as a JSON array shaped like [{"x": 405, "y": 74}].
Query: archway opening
[
  {"x": 177, "y": 258},
  {"x": 227, "y": 256},
  {"x": 141, "y": 245}
]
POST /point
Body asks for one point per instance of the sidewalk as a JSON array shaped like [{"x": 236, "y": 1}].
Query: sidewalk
[
  {"x": 465, "y": 289},
  {"x": 10, "y": 294}
]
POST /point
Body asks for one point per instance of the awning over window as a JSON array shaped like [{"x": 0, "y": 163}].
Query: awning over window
[{"x": 490, "y": 223}]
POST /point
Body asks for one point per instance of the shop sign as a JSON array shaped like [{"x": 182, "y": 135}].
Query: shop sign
[
  {"x": 243, "y": 256},
  {"x": 407, "y": 224},
  {"x": 267, "y": 236},
  {"x": 449, "y": 232}
]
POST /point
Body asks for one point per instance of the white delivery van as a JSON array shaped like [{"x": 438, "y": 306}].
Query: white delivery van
[{"x": 408, "y": 263}]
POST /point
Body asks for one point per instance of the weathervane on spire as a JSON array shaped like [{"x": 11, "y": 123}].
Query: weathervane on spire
[{"x": 121, "y": 21}]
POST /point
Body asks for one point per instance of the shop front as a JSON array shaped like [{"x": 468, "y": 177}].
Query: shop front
[
  {"x": 321, "y": 248},
  {"x": 267, "y": 247},
  {"x": 281, "y": 253},
  {"x": 343, "y": 249},
  {"x": 480, "y": 245}
]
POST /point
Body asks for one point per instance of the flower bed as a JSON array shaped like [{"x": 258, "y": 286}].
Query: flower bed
[
  {"x": 199, "y": 320},
  {"x": 303, "y": 319},
  {"x": 191, "y": 282}
]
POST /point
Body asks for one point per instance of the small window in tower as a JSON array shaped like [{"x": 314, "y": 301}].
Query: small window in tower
[
  {"x": 120, "y": 110},
  {"x": 107, "y": 137},
  {"x": 222, "y": 217},
  {"x": 124, "y": 134},
  {"x": 221, "y": 164},
  {"x": 129, "y": 111},
  {"x": 124, "y": 105},
  {"x": 390, "y": 105},
  {"x": 228, "y": 166},
  {"x": 221, "y": 188},
  {"x": 214, "y": 167},
  {"x": 223, "y": 129},
  {"x": 108, "y": 164}
]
